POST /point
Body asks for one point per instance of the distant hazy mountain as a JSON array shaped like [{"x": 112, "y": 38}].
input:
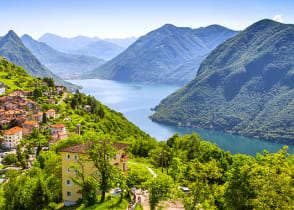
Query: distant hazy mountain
[
  {"x": 125, "y": 43},
  {"x": 12, "y": 47},
  {"x": 169, "y": 54},
  {"x": 246, "y": 85},
  {"x": 67, "y": 66},
  {"x": 100, "y": 49},
  {"x": 64, "y": 44},
  {"x": 104, "y": 49}
]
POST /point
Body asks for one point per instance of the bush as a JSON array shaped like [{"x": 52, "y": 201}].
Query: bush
[{"x": 9, "y": 159}]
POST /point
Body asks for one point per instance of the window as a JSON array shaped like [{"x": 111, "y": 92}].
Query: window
[
  {"x": 68, "y": 170},
  {"x": 68, "y": 193},
  {"x": 68, "y": 182},
  {"x": 75, "y": 171},
  {"x": 75, "y": 157},
  {"x": 68, "y": 156}
]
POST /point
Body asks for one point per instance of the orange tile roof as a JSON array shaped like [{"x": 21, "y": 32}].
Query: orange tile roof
[
  {"x": 82, "y": 148},
  {"x": 32, "y": 102},
  {"x": 30, "y": 122},
  {"x": 51, "y": 110},
  {"x": 3, "y": 98},
  {"x": 58, "y": 125},
  {"x": 12, "y": 131}
]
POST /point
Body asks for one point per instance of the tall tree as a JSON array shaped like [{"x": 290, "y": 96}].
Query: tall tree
[{"x": 101, "y": 152}]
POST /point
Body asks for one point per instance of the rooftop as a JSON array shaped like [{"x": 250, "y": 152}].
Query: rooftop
[
  {"x": 12, "y": 131},
  {"x": 81, "y": 148},
  {"x": 30, "y": 122},
  {"x": 58, "y": 125}
]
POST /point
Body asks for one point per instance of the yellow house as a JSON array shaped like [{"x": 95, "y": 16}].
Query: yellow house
[{"x": 75, "y": 154}]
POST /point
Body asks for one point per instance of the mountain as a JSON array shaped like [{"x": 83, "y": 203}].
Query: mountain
[
  {"x": 84, "y": 45},
  {"x": 245, "y": 86},
  {"x": 64, "y": 44},
  {"x": 67, "y": 66},
  {"x": 169, "y": 54},
  {"x": 100, "y": 49},
  {"x": 125, "y": 43},
  {"x": 14, "y": 50}
]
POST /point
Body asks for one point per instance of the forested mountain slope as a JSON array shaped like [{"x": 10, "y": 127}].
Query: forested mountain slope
[
  {"x": 245, "y": 85},
  {"x": 169, "y": 54}
]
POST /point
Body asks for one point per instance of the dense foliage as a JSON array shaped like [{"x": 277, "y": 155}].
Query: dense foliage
[
  {"x": 169, "y": 54},
  {"x": 218, "y": 180},
  {"x": 244, "y": 86}
]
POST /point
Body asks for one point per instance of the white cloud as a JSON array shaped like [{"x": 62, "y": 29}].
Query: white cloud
[{"x": 278, "y": 18}]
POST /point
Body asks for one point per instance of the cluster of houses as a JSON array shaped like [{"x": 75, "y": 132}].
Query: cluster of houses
[{"x": 23, "y": 116}]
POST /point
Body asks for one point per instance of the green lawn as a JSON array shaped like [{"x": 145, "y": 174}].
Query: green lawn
[{"x": 111, "y": 202}]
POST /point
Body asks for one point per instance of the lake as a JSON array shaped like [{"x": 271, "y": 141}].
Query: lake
[{"x": 135, "y": 100}]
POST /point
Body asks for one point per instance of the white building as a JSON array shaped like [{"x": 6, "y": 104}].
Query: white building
[
  {"x": 58, "y": 128},
  {"x": 2, "y": 89},
  {"x": 12, "y": 137}
]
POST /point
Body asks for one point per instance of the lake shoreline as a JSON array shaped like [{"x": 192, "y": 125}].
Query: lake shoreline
[{"x": 135, "y": 100}]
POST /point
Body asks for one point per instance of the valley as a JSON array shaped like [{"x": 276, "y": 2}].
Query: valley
[{"x": 134, "y": 100}]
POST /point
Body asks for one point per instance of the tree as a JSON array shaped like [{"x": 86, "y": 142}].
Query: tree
[
  {"x": 239, "y": 191},
  {"x": 49, "y": 81},
  {"x": 100, "y": 152},
  {"x": 101, "y": 112},
  {"x": 87, "y": 184},
  {"x": 9, "y": 159},
  {"x": 271, "y": 177},
  {"x": 202, "y": 184},
  {"x": 159, "y": 188},
  {"x": 44, "y": 118},
  {"x": 37, "y": 93}
]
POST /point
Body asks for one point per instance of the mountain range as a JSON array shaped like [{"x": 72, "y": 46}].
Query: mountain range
[
  {"x": 245, "y": 86},
  {"x": 67, "y": 66},
  {"x": 169, "y": 54},
  {"x": 15, "y": 51},
  {"x": 103, "y": 49}
]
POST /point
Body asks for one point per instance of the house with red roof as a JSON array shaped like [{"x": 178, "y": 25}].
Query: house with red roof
[
  {"x": 28, "y": 127},
  {"x": 12, "y": 137}
]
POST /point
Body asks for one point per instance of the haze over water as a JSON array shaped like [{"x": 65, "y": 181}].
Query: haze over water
[{"x": 134, "y": 100}]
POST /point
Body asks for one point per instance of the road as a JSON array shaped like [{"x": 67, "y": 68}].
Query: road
[{"x": 63, "y": 97}]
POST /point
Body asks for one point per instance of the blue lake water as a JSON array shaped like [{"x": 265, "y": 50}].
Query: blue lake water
[{"x": 135, "y": 100}]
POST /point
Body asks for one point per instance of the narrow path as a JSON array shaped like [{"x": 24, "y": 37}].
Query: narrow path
[
  {"x": 63, "y": 97},
  {"x": 149, "y": 169},
  {"x": 152, "y": 172}
]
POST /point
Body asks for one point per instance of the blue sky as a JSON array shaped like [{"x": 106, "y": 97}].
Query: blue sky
[{"x": 125, "y": 18}]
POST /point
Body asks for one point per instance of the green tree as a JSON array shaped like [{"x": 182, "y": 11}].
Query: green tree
[
  {"x": 37, "y": 93},
  {"x": 9, "y": 159},
  {"x": 160, "y": 188},
  {"x": 101, "y": 112},
  {"x": 87, "y": 184},
  {"x": 271, "y": 177},
  {"x": 44, "y": 118},
  {"x": 239, "y": 191},
  {"x": 50, "y": 81},
  {"x": 202, "y": 184},
  {"x": 100, "y": 152}
]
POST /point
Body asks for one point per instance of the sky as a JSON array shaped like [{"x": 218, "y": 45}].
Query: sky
[{"x": 126, "y": 18}]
